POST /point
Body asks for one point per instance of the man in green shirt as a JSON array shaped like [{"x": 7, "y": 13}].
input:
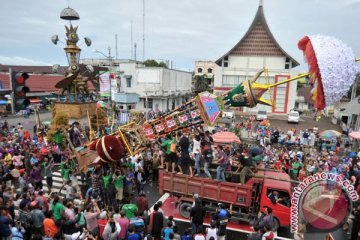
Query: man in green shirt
[
  {"x": 130, "y": 209},
  {"x": 107, "y": 177},
  {"x": 58, "y": 208},
  {"x": 295, "y": 166},
  {"x": 65, "y": 170},
  {"x": 170, "y": 153},
  {"x": 119, "y": 186}
]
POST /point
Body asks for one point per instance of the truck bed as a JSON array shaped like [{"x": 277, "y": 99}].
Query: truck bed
[{"x": 226, "y": 192}]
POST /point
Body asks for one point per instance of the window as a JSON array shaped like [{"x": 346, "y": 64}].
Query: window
[
  {"x": 287, "y": 63},
  {"x": 226, "y": 61},
  {"x": 209, "y": 70},
  {"x": 128, "y": 82},
  {"x": 232, "y": 80},
  {"x": 199, "y": 70},
  {"x": 279, "y": 197},
  {"x": 149, "y": 103}
]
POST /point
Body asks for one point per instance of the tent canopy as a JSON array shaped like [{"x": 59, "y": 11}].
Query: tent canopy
[{"x": 225, "y": 137}]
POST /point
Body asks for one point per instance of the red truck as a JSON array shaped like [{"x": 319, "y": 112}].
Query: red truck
[{"x": 245, "y": 200}]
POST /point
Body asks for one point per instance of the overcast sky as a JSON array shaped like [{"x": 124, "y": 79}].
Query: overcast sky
[{"x": 182, "y": 31}]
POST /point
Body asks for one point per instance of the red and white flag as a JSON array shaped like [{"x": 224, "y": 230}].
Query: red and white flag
[
  {"x": 170, "y": 123},
  {"x": 183, "y": 118},
  {"x": 159, "y": 127},
  {"x": 195, "y": 113},
  {"x": 149, "y": 132}
]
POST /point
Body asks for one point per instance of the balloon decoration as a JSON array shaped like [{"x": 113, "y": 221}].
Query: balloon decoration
[
  {"x": 109, "y": 148},
  {"x": 100, "y": 104},
  {"x": 332, "y": 68}
]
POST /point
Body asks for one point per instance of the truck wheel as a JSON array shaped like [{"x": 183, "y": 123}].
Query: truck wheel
[
  {"x": 184, "y": 209},
  {"x": 276, "y": 225}
]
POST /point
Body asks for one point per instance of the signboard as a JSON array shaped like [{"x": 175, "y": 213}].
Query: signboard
[{"x": 104, "y": 79}]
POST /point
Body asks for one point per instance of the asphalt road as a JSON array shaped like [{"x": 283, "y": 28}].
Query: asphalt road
[{"x": 28, "y": 123}]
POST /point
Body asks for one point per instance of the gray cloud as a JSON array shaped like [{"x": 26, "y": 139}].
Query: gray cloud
[{"x": 182, "y": 31}]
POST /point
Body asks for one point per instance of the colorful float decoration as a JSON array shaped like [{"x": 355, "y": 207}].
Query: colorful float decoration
[
  {"x": 332, "y": 70},
  {"x": 264, "y": 128}
]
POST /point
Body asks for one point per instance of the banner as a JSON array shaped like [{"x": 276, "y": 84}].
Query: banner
[
  {"x": 104, "y": 79},
  {"x": 114, "y": 86}
]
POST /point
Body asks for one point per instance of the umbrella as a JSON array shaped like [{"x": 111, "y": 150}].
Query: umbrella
[
  {"x": 327, "y": 134},
  {"x": 46, "y": 122},
  {"x": 355, "y": 135},
  {"x": 225, "y": 137}
]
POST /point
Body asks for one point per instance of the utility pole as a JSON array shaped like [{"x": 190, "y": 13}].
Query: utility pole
[
  {"x": 12, "y": 93},
  {"x": 135, "y": 52},
  {"x": 110, "y": 99},
  {"x": 116, "y": 46},
  {"x": 132, "y": 42},
  {"x": 143, "y": 31}
]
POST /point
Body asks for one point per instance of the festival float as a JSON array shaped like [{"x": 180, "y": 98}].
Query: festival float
[
  {"x": 80, "y": 84},
  {"x": 332, "y": 71}
]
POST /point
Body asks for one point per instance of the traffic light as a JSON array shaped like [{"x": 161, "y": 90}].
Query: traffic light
[{"x": 20, "y": 89}]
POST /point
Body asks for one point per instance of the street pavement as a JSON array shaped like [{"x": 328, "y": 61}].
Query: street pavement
[
  {"x": 28, "y": 123},
  {"x": 306, "y": 123}
]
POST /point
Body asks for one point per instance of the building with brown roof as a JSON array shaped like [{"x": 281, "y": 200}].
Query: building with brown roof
[
  {"x": 258, "y": 49},
  {"x": 41, "y": 82}
]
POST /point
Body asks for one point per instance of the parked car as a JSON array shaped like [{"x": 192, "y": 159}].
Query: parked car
[
  {"x": 261, "y": 115},
  {"x": 293, "y": 117},
  {"x": 228, "y": 114}
]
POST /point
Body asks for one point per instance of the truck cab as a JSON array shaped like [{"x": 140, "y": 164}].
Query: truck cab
[{"x": 276, "y": 194}]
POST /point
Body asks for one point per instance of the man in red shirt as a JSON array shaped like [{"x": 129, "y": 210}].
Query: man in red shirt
[
  {"x": 102, "y": 221},
  {"x": 124, "y": 224},
  {"x": 142, "y": 202}
]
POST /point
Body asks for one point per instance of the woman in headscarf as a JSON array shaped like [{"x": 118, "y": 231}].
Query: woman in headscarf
[{"x": 112, "y": 230}]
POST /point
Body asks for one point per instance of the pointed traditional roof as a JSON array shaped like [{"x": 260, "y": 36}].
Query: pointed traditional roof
[{"x": 258, "y": 41}]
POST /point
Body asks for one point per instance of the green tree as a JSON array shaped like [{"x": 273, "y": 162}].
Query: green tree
[
  {"x": 154, "y": 63},
  {"x": 200, "y": 83}
]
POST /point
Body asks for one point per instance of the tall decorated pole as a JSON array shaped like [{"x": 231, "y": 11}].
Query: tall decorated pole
[{"x": 78, "y": 100}]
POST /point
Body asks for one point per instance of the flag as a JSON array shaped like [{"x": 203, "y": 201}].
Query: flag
[
  {"x": 170, "y": 123},
  {"x": 195, "y": 113},
  {"x": 149, "y": 132},
  {"x": 160, "y": 127},
  {"x": 183, "y": 118}
]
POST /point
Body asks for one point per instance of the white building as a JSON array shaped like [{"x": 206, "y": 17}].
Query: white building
[
  {"x": 163, "y": 89},
  {"x": 258, "y": 49},
  {"x": 206, "y": 69}
]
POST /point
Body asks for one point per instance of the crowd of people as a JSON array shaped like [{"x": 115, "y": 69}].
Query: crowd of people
[{"x": 105, "y": 203}]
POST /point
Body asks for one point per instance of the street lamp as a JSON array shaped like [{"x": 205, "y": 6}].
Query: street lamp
[{"x": 109, "y": 58}]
